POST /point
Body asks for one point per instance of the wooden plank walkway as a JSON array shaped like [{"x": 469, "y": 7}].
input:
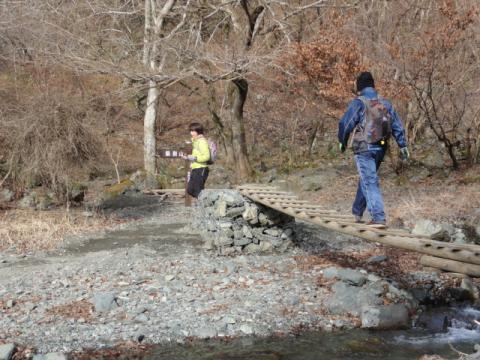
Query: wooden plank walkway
[{"x": 462, "y": 258}]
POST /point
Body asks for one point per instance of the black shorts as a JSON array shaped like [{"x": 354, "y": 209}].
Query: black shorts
[{"x": 196, "y": 184}]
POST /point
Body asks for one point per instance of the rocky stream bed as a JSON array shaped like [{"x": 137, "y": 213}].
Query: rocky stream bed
[{"x": 157, "y": 280}]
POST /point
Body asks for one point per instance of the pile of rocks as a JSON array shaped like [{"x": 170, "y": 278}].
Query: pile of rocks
[
  {"x": 460, "y": 234},
  {"x": 232, "y": 224},
  {"x": 364, "y": 295}
]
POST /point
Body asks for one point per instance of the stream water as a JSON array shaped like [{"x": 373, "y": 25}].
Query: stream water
[{"x": 461, "y": 335}]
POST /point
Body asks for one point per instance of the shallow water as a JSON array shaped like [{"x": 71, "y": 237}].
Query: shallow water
[
  {"x": 165, "y": 239},
  {"x": 462, "y": 333},
  {"x": 356, "y": 344}
]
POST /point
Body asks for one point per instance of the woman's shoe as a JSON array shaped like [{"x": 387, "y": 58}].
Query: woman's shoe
[
  {"x": 377, "y": 224},
  {"x": 358, "y": 219}
]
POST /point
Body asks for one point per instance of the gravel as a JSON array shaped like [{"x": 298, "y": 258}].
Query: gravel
[
  {"x": 71, "y": 300},
  {"x": 157, "y": 283}
]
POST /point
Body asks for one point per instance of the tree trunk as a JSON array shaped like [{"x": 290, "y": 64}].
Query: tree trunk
[
  {"x": 312, "y": 136},
  {"x": 225, "y": 132},
  {"x": 154, "y": 22},
  {"x": 149, "y": 143},
  {"x": 476, "y": 156},
  {"x": 451, "y": 154},
  {"x": 239, "y": 91},
  {"x": 229, "y": 150}
]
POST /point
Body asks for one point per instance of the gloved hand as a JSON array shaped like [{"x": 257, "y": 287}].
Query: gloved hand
[
  {"x": 404, "y": 154},
  {"x": 191, "y": 158},
  {"x": 341, "y": 147}
]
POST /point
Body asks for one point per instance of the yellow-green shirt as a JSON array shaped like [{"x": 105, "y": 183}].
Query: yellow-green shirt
[{"x": 201, "y": 151}]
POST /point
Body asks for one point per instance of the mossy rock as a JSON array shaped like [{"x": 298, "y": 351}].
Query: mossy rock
[
  {"x": 163, "y": 181},
  {"x": 118, "y": 189},
  {"x": 45, "y": 201},
  {"x": 138, "y": 177},
  {"x": 40, "y": 198}
]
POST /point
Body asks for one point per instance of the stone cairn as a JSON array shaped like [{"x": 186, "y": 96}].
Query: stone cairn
[{"x": 232, "y": 224}]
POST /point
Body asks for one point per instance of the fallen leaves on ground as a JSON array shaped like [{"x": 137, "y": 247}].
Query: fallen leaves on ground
[{"x": 81, "y": 309}]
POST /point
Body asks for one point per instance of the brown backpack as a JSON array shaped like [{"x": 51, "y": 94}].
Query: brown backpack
[{"x": 376, "y": 125}]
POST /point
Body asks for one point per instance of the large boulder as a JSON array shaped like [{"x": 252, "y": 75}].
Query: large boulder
[
  {"x": 6, "y": 195},
  {"x": 104, "y": 302},
  {"x": 441, "y": 232},
  {"x": 313, "y": 179},
  {"x": 390, "y": 317},
  {"x": 471, "y": 289},
  {"x": 205, "y": 332},
  {"x": 350, "y": 276},
  {"x": 475, "y": 355},
  {"x": 433, "y": 158},
  {"x": 27, "y": 202},
  {"x": 6, "y": 351},
  {"x": 39, "y": 198},
  {"x": 346, "y": 298},
  {"x": 120, "y": 188}
]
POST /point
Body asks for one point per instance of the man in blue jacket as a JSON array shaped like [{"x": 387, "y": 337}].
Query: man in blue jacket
[{"x": 369, "y": 154}]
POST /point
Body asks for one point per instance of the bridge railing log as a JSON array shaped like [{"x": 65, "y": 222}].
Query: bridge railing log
[
  {"x": 450, "y": 265},
  {"x": 463, "y": 258}
]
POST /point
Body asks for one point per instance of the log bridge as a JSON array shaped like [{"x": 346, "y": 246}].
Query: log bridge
[{"x": 455, "y": 258}]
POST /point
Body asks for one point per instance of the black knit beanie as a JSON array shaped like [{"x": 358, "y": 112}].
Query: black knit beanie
[{"x": 364, "y": 80}]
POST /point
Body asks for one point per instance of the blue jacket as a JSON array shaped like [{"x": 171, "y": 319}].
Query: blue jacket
[{"x": 355, "y": 113}]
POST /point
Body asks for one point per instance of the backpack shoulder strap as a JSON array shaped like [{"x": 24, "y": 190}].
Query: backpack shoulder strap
[{"x": 364, "y": 101}]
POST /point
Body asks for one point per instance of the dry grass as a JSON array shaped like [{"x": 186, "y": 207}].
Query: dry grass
[
  {"x": 440, "y": 203},
  {"x": 26, "y": 230},
  {"x": 399, "y": 265},
  {"x": 456, "y": 198}
]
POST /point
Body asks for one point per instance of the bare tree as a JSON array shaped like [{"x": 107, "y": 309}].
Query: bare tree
[
  {"x": 125, "y": 38},
  {"x": 427, "y": 49},
  {"x": 246, "y": 39},
  {"x": 154, "y": 60}
]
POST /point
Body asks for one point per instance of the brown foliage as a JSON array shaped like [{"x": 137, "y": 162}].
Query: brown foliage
[
  {"x": 325, "y": 66},
  {"x": 45, "y": 147},
  {"x": 322, "y": 51},
  {"x": 427, "y": 46},
  {"x": 47, "y": 133}
]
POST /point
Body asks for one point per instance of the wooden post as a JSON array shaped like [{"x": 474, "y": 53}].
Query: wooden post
[
  {"x": 178, "y": 154},
  {"x": 188, "y": 197},
  {"x": 451, "y": 265}
]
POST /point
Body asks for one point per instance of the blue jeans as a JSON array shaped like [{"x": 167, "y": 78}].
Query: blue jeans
[{"x": 369, "y": 195}]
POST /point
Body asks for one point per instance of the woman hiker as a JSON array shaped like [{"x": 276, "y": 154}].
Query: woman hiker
[{"x": 199, "y": 159}]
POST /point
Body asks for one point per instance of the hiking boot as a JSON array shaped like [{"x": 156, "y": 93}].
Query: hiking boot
[
  {"x": 358, "y": 219},
  {"x": 377, "y": 224}
]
